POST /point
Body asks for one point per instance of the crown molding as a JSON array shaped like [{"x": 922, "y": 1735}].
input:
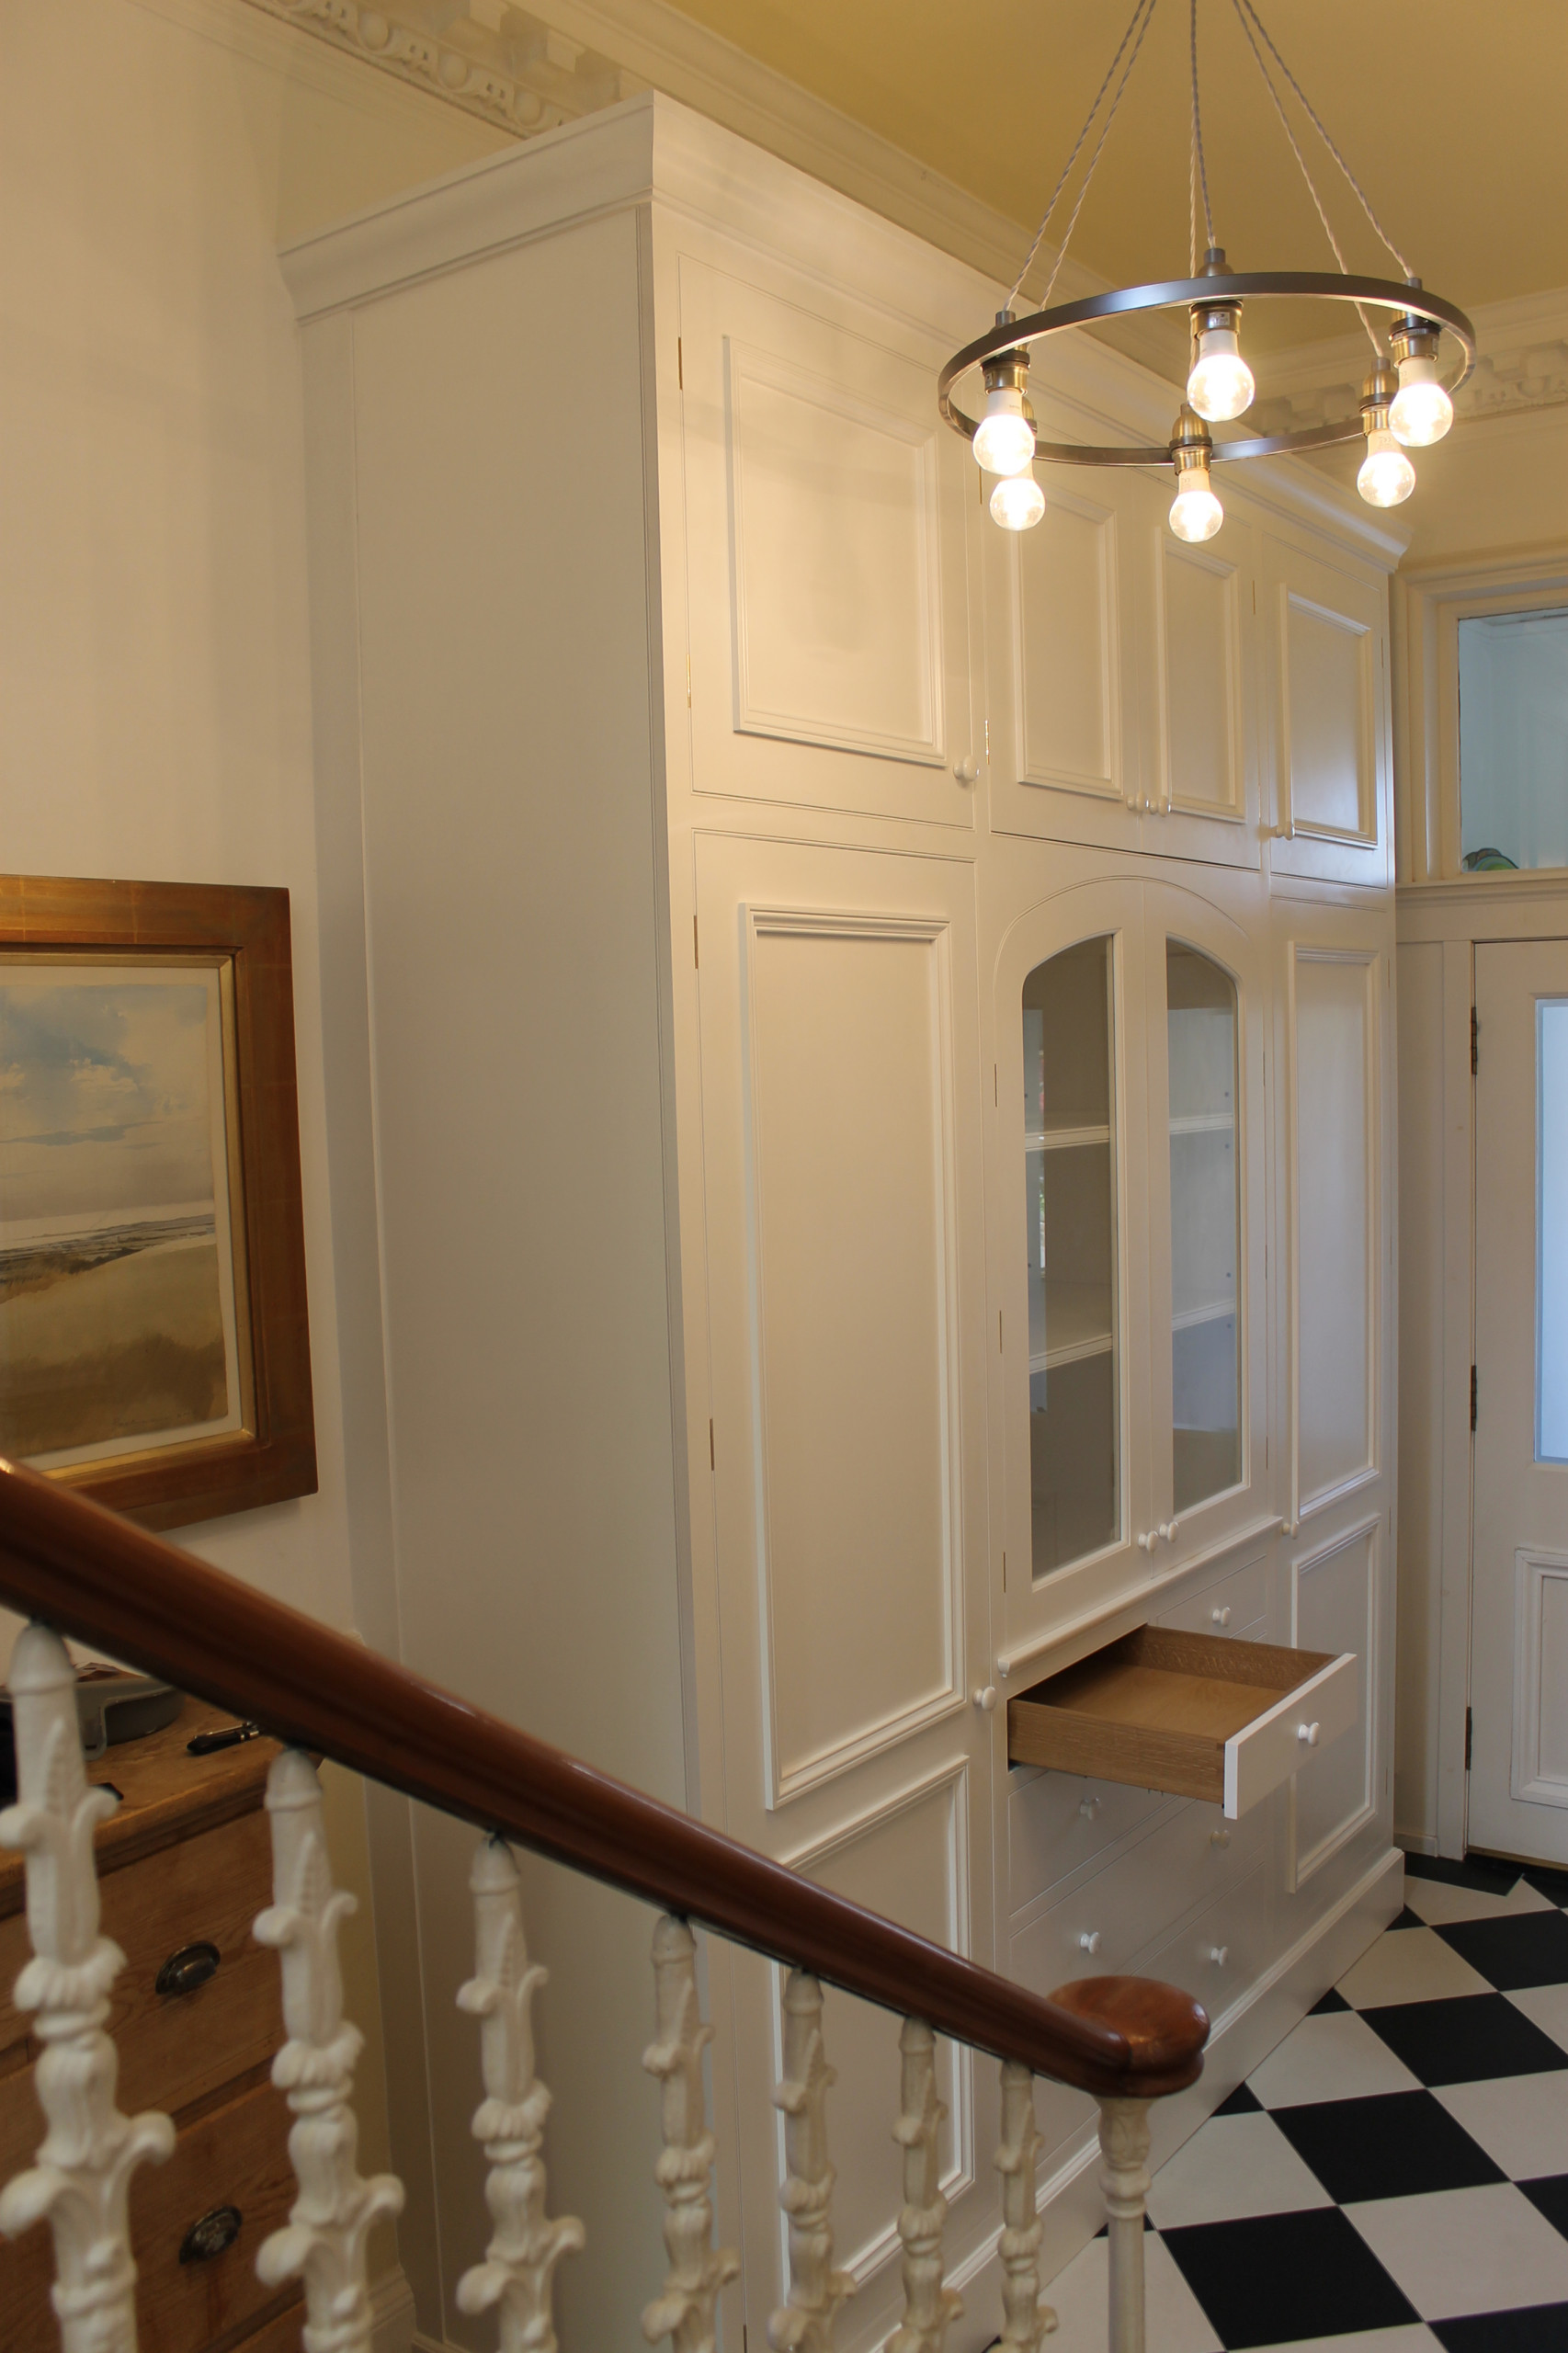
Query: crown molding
[{"x": 1522, "y": 368}]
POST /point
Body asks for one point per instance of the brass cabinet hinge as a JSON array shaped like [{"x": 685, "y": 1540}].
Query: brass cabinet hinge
[{"x": 681, "y": 366}]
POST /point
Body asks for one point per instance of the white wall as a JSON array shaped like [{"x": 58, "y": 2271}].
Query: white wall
[{"x": 154, "y": 682}]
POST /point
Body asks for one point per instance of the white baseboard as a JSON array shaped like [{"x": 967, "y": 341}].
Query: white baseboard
[{"x": 1415, "y": 1842}]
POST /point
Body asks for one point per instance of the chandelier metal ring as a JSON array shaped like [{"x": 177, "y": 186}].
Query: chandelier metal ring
[{"x": 1182, "y": 293}]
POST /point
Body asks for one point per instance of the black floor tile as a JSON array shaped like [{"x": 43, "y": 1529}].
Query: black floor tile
[
  {"x": 1275, "y": 2278},
  {"x": 1408, "y": 1919},
  {"x": 1464, "y": 2039},
  {"x": 1397, "y": 2144},
  {"x": 1541, "y": 2328},
  {"x": 1477, "y": 1870},
  {"x": 1333, "y": 2000},
  {"x": 1551, "y": 2195},
  {"x": 1243, "y": 2101},
  {"x": 1525, "y": 1949}
]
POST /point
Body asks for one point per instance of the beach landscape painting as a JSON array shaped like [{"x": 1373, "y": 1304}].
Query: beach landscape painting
[{"x": 119, "y": 1329}]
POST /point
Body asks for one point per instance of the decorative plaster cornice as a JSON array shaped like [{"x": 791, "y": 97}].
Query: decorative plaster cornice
[{"x": 1523, "y": 367}]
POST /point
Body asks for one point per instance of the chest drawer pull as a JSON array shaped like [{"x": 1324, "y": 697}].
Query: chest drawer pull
[
  {"x": 1089, "y": 1941},
  {"x": 1218, "y": 1955},
  {"x": 1221, "y": 1617},
  {"x": 212, "y": 2234},
  {"x": 1308, "y": 1734},
  {"x": 183, "y": 1971}
]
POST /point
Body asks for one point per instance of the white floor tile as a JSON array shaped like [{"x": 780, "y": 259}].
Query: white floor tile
[
  {"x": 1411, "y": 2336},
  {"x": 1336, "y": 2056},
  {"x": 1176, "y": 2321},
  {"x": 1521, "y": 2121},
  {"x": 1467, "y": 2250},
  {"x": 1234, "y": 2165},
  {"x": 1409, "y": 1965},
  {"x": 1436, "y": 1901},
  {"x": 1547, "y": 2007}
]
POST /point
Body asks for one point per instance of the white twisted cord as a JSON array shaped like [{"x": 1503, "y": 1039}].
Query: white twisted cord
[
  {"x": 1201, "y": 160},
  {"x": 1295, "y": 149},
  {"x": 1088, "y": 175},
  {"x": 1358, "y": 190},
  {"x": 1067, "y": 166}
]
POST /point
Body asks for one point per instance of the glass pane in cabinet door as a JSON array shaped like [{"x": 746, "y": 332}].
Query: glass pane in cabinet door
[
  {"x": 1205, "y": 1384},
  {"x": 1071, "y": 1242}
]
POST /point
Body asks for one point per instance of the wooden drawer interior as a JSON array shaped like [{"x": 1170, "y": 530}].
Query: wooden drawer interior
[{"x": 1193, "y": 1715}]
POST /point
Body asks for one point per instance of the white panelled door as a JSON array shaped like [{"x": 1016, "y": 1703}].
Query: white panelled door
[
  {"x": 1519, "y": 1783},
  {"x": 846, "y": 1334}
]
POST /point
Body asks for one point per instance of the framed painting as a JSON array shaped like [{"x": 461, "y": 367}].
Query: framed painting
[{"x": 154, "y": 1340}]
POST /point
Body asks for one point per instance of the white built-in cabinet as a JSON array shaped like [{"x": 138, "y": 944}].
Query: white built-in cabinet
[{"x": 859, "y": 1059}]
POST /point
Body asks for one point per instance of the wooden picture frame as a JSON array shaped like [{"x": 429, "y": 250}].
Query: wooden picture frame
[{"x": 203, "y": 975}]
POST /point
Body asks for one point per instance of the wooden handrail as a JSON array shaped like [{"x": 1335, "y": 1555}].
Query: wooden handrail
[{"x": 94, "y": 1575}]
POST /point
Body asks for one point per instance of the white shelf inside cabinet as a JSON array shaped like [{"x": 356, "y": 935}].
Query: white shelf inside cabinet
[
  {"x": 1213, "y": 1311},
  {"x": 1203, "y": 1123},
  {"x": 1078, "y": 1324},
  {"x": 1066, "y": 1139}
]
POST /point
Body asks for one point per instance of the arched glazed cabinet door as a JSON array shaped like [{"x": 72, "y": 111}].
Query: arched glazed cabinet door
[
  {"x": 1206, "y": 1224},
  {"x": 1070, "y": 1249}
]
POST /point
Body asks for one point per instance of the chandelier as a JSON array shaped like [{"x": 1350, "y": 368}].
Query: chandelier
[{"x": 1405, "y": 401}]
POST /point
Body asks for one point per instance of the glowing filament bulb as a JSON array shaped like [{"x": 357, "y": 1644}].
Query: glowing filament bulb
[
  {"x": 1387, "y": 476},
  {"x": 1421, "y": 411},
  {"x": 1017, "y": 501},
  {"x": 1196, "y": 513},
  {"x": 1004, "y": 439},
  {"x": 1221, "y": 385}
]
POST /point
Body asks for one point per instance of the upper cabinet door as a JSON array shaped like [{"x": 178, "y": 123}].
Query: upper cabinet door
[
  {"x": 1326, "y": 643},
  {"x": 1203, "y": 791},
  {"x": 1207, "y": 1214},
  {"x": 1061, "y": 645},
  {"x": 826, "y": 582}
]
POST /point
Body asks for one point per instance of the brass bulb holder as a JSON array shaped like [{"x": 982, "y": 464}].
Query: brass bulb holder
[
  {"x": 1191, "y": 443},
  {"x": 1377, "y": 392},
  {"x": 1008, "y": 372},
  {"x": 1412, "y": 339}
]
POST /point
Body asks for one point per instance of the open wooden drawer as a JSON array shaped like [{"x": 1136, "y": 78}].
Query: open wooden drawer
[{"x": 1195, "y": 1715}]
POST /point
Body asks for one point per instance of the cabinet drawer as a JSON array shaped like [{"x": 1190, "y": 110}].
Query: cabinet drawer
[
  {"x": 1218, "y": 1955},
  {"x": 1201, "y": 1717},
  {"x": 1058, "y": 1822},
  {"x": 1102, "y": 1924},
  {"x": 236, "y": 2156},
  {"x": 1231, "y": 1607},
  {"x": 175, "y": 2047}
]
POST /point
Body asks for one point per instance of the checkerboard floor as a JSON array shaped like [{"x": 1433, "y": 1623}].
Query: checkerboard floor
[{"x": 1394, "y": 2177}]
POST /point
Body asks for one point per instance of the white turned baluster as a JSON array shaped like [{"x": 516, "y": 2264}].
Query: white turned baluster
[
  {"x": 928, "y": 2307},
  {"x": 1027, "y": 2320},
  {"x": 805, "y": 2324},
  {"x": 82, "y": 2179},
  {"x": 685, "y": 2311},
  {"x": 1124, "y": 2177},
  {"x": 516, "y": 2274},
  {"x": 324, "y": 2240}
]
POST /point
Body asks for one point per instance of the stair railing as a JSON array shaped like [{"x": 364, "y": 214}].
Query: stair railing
[{"x": 75, "y": 1569}]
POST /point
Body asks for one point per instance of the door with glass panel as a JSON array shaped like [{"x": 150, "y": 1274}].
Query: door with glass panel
[
  {"x": 1207, "y": 1371},
  {"x": 1519, "y": 1780},
  {"x": 1073, "y": 1248}
]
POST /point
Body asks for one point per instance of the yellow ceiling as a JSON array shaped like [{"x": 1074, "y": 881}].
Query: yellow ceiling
[{"x": 1451, "y": 112}]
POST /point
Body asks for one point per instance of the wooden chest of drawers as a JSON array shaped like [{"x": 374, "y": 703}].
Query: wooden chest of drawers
[{"x": 185, "y": 1865}]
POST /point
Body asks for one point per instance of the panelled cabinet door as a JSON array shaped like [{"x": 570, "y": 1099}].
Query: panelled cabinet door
[
  {"x": 1201, "y": 722},
  {"x": 1326, "y": 638},
  {"x": 826, "y": 578},
  {"x": 1069, "y": 1247},
  {"x": 1064, "y": 650},
  {"x": 847, "y": 1335},
  {"x": 1208, "y": 1221}
]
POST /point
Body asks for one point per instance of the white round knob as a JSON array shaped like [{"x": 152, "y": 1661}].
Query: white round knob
[
  {"x": 1168, "y": 1528},
  {"x": 1090, "y": 1940},
  {"x": 1308, "y": 1734},
  {"x": 1218, "y": 1955},
  {"x": 1088, "y": 1808},
  {"x": 986, "y": 1700},
  {"x": 966, "y": 771},
  {"x": 1147, "y": 1541},
  {"x": 1219, "y": 1837},
  {"x": 1219, "y": 1617}
]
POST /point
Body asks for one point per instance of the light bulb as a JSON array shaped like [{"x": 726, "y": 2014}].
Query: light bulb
[
  {"x": 1004, "y": 439},
  {"x": 1387, "y": 476},
  {"x": 1421, "y": 411},
  {"x": 1221, "y": 385},
  {"x": 1017, "y": 501},
  {"x": 1196, "y": 513}
]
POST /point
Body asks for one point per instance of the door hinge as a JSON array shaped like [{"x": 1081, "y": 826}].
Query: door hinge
[
  {"x": 1003, "y": 1572},
  {"x": 689, "y": 682},
  {"x": 695, "y": 956},
  {"x": 1474, "y": 1042},
  {"x": 1469, "y": 1734},
  {"x": 999, "y": 1331},
  {"x": 1473, "y": 1396},
  {"x": 986, "y": 725},
  {"x": 712, "y": 1463},
  {"x": 680, "y": 364}
]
